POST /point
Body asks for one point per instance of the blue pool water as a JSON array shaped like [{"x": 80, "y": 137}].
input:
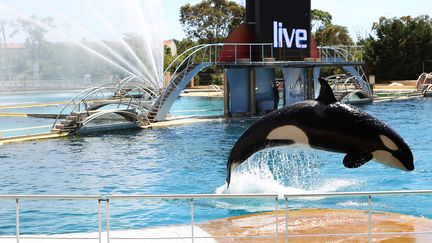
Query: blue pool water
[{"x": 192, "y": 159}]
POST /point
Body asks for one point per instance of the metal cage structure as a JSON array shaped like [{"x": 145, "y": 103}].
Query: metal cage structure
[{"x": 125, "y": 102}]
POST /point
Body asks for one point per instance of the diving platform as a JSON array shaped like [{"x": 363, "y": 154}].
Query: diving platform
[
  {"x": 249, "y": 86},
  {"x": 240, "y": 59}
]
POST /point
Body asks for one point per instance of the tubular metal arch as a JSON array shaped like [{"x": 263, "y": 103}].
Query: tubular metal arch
[
  {"x": 123, "y": 113},
  {"x": 129, "y": 92}
]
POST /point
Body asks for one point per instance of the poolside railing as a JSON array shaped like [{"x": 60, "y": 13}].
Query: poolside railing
[{"x": 107, "y": 201}]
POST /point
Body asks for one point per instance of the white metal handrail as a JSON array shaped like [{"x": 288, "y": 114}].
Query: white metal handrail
[
  {"x": 424, "y": 79},
  {"x": 191, "y": 197},
  {"x": 19, "y": 198},
  {"x": 345, "y": 53}
]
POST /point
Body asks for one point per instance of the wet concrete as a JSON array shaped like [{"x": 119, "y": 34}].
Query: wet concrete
[{"x": 321, "y": 225}]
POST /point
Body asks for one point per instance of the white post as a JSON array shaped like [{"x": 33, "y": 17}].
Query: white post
[
  {"x": 370, "y": 219},
  {"x": 17, "y": 208},
  {"x": 100, "y": 220},
  {"x": 286, "y": 219},
  {"x": 192, "y": 219},
  {"x": 277, "y": 219},
  {"x": 108, "y": 220}
]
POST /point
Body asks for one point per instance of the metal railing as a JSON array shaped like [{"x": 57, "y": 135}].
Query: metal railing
[
  {"x": 342, "y": 53},
  {"x": 193, "y": 197},
  {"x": 424, "y": 81},
  {"x": 19, "y": 198},
  {"x": 213, "y": 54},
  {"x": 351, "y": 83}
]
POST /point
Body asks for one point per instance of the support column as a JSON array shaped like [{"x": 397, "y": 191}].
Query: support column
[
  {"x": 309, "y": 84},
  {"x": 226, "y": 96},
  {"x": 252, "y": 95}
]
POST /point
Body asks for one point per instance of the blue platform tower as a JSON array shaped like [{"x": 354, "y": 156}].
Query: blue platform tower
[{"x": 282, "y": 29}]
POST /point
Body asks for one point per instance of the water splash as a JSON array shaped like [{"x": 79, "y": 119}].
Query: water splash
[
  {"x": 91, "y": 21},
  {"x": 115, "y": 55},
  {"x": 112, "y": 30},
  {"x": 284, "y": 171}
]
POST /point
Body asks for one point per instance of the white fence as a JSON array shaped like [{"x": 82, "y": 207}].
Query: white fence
[{"x": 107, "y": 201}]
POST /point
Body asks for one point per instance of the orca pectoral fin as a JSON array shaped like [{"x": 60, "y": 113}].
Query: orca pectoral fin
[{"x": 356, "y": 159}]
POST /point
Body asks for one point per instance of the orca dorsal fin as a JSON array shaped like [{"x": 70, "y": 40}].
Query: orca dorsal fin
[{"x": 326, "y": 93}]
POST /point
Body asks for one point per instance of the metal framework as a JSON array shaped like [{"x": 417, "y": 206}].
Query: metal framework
[
  {"x": 346, "y": 53},
  {"x": 186, "y": 65},
  {"x": 424, "y": 81},
  {"x": 191, "y": 61},
  {"x": 129, "y": 96},
  {"x": 107, "y": 200}
]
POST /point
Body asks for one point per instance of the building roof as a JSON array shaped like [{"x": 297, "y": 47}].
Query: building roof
[
  {"x": 171, "y": 44},
  {"x": 13, "y": 46}
]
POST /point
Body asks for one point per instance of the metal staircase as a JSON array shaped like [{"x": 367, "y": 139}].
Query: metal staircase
[
  {"x": 345, "y": 54},
  {"x": 197, "y": 58},
  {"x": 356, "y": 76},
  {"x": 68, "y": 125},
  {"x": 185, "y": 67},
  {"x": 174, "y": 83},
  {"x": 163, "y": 104}
]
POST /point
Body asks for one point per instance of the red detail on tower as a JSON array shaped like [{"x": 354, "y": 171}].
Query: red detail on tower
[
  {"x": 241, "y": 34},
  {"x": 314, "y": 49}
]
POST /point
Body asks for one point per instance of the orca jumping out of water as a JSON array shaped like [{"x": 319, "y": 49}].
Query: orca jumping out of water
[{"x": 328, "y": 125}]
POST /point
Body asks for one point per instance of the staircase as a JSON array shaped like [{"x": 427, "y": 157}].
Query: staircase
[
  {"x": 339, "y": 54},
  {"x": 339, "y": 95},
  {"x": 353, "y": 72},
  {"x": 168, "y": 90},
  {"x": 67, "y": 126},
  {"x": 163, "y": 104}
]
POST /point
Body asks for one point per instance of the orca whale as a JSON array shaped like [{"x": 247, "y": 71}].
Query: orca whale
[{"x": 328, "y": 125}]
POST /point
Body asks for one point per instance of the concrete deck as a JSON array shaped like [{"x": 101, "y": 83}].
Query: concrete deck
[
  {"x": 182, "y": 232},
  {"x": 318, "y": 225},
  {"x": 305, "y": 225}
]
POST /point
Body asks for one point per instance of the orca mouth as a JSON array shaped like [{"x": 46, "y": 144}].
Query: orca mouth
[
  {"x": 406, "y": 158},
  {"x": 395, "y": 159}
]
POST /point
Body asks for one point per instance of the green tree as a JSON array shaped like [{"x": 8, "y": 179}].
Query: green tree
[
  {"x": 35, "y": 36},
  {"x": 3, "y": 23},
  {"x": 399, "y": 47},
  {"x": 182, "y": 46},
  {"x": 320, "y": 19},
  {"x": 211, "y": 21},
  {"x": 332, "y": 35},
  {"x": 168, "y": 57},
  {"x": 325, "y": 32}
]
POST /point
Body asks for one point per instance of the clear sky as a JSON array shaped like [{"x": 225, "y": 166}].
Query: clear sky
[
  {"x": 77, "y": 18},
  {"x": 358, "y": 15}
]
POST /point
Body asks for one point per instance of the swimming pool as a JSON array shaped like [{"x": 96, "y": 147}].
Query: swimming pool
[{"x": 192, "y": 159}]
